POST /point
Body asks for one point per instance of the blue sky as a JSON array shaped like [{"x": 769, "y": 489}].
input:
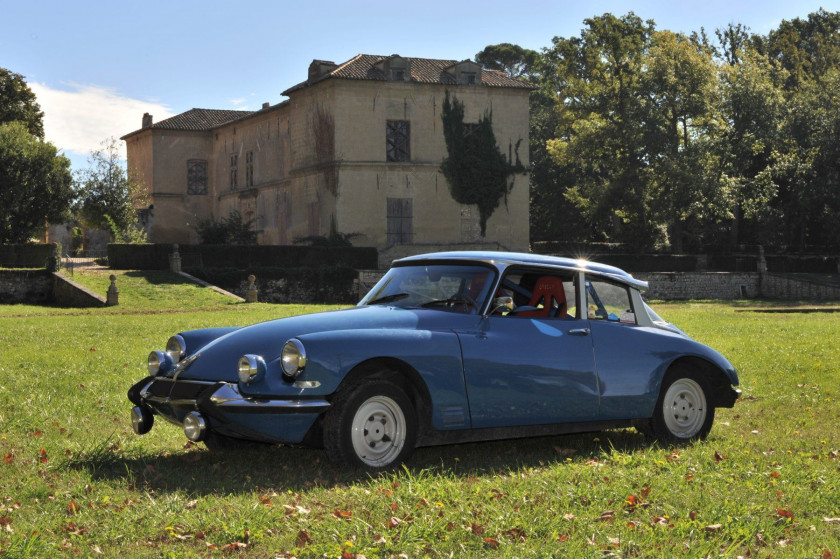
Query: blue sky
[{"x": 97, "y": 66}]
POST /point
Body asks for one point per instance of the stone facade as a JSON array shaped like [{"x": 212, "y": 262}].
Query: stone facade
[{"x": 357, "y": 147}]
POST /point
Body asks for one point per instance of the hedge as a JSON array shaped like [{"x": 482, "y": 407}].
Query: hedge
[
  {"x": 650, "y": 262},
  {"x": 41, "y": 255},
  {"x": 138, "y": 256},
  {"x": 802, "y": 265},
  {"x": 332, "y": 284},
  {"x": 156, "y": 256}
]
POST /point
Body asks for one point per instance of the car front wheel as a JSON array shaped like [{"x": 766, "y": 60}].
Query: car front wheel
[
  {"x": 685, "y": 410},
  {"x": 372, "y": 424}
]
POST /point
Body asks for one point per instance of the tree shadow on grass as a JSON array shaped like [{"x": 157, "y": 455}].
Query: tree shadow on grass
[{"x": 198, "y": 471}]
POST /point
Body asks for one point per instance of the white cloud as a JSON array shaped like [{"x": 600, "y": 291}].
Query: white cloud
[{"x": 79, "y": 118}]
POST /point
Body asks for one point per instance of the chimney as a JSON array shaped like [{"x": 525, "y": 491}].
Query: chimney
[
  {"x": 266, "y": 105},
  {"x": 147, "y": 120},
  {"x": 320, "y": 68}
]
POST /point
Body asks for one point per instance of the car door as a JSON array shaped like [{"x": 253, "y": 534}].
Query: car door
[
  {"x": 630, "y": 358},
  {"x": 530, "y": 367}
]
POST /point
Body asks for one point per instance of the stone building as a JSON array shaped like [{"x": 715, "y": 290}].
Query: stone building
[{"x": 357, "y": 146}]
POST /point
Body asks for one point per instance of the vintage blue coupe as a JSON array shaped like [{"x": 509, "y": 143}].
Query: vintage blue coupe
[{"x": 447, "y": 347}]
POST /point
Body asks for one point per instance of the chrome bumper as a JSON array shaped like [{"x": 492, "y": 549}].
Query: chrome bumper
[{"x": 223, "y": 396}]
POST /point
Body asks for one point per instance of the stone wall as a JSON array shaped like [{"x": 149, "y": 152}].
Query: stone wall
[
  {"x": 40, "y": 287},
  {"x": 68, "y": 293},
  {"x": 782, "y": 287},
  {"x": 701, "y": 285},
  {"x": 26, "y": 286}
]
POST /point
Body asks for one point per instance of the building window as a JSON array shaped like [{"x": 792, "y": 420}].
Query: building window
[
  {"x": 397, "y": 74},
  {"x": 400, "y": 221},
  {"x": 249, "y": 168},
  {"x": 397, "y": 145},
  {"x": 234, "y": 165},
  {"x": 196, "y": 176}
]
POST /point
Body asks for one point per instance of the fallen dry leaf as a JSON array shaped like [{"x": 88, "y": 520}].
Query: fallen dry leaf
[
  {"x": 831, "y": 520},
  {"x": 516, "y": 534},
  {"x": 713, "y": 528},
  {"x": 491, "y": 542},
  {"x": 303, "y": 538},
  {"x": 606, "y": 516}
]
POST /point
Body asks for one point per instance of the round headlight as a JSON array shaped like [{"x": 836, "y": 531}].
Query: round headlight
[
  {"x": 176, "y": 348},
  {"x": 195, "y": 426},
  {"x": 293, "y": 358},
  {"x": 157, "y": 362},
  {"x": 249, "y": 367}
]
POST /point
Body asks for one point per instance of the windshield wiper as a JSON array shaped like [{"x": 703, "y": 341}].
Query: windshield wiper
[
  {"x": 388, "y": 298},
  {"x": 455, "y": 299}
]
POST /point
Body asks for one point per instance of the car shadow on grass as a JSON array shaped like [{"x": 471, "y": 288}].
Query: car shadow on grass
[{"x": 282, "y": 468}]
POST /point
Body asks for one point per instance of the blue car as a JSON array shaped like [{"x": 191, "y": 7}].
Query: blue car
[{"x": 448, "y": 347}]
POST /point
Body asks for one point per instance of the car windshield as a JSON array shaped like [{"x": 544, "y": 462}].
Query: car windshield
[{"x": 449, "y": 287}]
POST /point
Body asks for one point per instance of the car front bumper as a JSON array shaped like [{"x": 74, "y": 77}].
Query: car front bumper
[{"x": 224, "y": 409}]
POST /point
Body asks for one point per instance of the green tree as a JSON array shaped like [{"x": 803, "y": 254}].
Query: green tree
[
  {"x": 807, "y": 48},
  {"x": 35, "y": 183},
  {"x": 474, "y": 167},
  {"x": 513, "y": 60},
  {"x": 753, "y": 105},
  {"x": 18, "y": 103},
  {"x": 107, "y": 190},
  {"x": 806, "y": 167},
  {"x": 686, "y": 182},
  {"x": 601, "y": 130},
  {"x": 228, "y": 230}
]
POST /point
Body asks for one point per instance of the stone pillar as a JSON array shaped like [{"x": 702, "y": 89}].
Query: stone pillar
[
  {"x": 113, "y": 296},
  {"x": 175, "y": 260},
  {"x": 251, "y": 293}
]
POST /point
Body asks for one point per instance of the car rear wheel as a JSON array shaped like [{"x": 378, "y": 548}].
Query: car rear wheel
[
  {"x": 685, "y": 410},
  {"x": 371, "y": 424}
]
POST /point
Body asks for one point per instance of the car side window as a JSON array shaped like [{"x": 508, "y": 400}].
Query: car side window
[
  {"x": 537, "y": 294},
  {"x": 609, "y": 301}
]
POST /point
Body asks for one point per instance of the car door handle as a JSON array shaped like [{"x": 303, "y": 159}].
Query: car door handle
[{"x": 579, "y": 332}]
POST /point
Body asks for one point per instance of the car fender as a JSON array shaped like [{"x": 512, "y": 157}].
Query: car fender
[{"x": 331, "y": 356}]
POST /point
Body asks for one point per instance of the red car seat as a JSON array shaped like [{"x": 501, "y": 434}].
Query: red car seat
[{"x": 548, "y": 292}]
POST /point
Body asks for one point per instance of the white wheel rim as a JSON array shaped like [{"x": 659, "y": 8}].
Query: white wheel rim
[
  {"x": 378, "y": 431},
  {"x": 684, "y": 408}
]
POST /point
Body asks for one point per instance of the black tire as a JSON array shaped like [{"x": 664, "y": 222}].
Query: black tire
[
  {"x": 371, "y": 424},
  {"x": 685, "y": 409}
]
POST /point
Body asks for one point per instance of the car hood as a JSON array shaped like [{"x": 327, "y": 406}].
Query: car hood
[{"x": 218, "y": 360}]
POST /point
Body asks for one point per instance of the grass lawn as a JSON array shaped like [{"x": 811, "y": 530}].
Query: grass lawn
[{"x": 75, "y": 480}]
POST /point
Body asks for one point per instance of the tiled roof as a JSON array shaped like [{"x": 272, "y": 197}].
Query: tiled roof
[
  {"x": 200, "y": 120},
  {"x": 423, "y": 70}
]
